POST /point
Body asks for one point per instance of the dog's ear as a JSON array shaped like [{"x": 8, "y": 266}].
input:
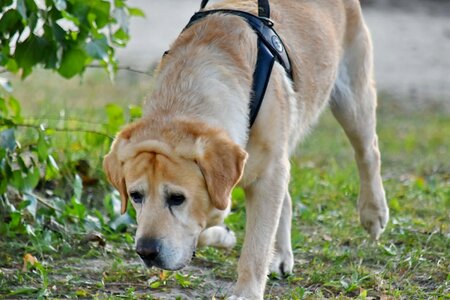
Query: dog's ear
[
  {"x": 113, "y": 168},
  {"x": 222, "y": 164}
]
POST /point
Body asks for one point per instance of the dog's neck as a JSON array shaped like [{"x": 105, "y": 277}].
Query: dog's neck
[
  {"x": 211, "y": 94},
  {"x": 206, "y": 78}
]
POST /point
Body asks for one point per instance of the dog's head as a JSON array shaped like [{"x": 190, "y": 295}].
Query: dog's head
[{"x": 179, "y": 179}]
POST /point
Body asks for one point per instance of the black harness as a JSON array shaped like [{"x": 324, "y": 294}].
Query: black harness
[{"x": 270, "y": 48}]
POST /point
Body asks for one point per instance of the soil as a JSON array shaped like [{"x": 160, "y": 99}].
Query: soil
[{"x": 411, "y": 41}]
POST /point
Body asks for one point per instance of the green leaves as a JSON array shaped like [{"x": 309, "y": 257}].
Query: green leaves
[
  {"x": 72, "y": 63},
  {"x": 21, "y": 8},
  {"x": 42, "y": 147},
  {"x": 60, "y": 4},
  {"x": 98, "y": 49},
  {"x": 6, "y": 85},
  {"x": 30, "y": 204},
  {"x": 183, "y": 280},
  {"x": 42, "y": 201},
  {"x": 133, "y": 11},
  {"x": 116, "y": 118},
  {"x": 85, "y": 31},
  {"x": 7, "y": 140},
  {"x": 45, "y": 192},
  {"x": 10, "y": 23},
  {"x": 99, "y": 13}
]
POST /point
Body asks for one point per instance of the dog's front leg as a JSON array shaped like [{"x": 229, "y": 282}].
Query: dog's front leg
[{"x": 264, "y": 199}]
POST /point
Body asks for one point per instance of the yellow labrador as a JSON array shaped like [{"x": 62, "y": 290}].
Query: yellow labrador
[{"x": 179, "y": 163}]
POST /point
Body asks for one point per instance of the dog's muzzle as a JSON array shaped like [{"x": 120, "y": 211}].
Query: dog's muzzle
[{"x": 149, "y": 250}]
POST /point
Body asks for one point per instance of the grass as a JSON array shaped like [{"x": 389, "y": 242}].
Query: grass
[{"x": 333, "y": 256}]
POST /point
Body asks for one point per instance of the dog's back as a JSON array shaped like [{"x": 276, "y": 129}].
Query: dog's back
[
  {"x": 317, "y": 35},
  {"x": 316, "y": 32}
]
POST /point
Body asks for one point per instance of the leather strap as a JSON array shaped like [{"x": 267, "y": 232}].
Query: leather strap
[
  {"x": 263, "y": 28},
  {"x": 261, "y": 76},
  {"x": 264, "y": 8},
  {"x": 270, "y": 48},
  {"x": 203, "y": 4}
]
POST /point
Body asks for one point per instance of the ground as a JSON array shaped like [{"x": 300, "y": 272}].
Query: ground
[{"x": 334, "y": 258}]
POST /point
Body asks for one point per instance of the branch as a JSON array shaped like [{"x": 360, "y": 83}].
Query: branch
[
  {"x": 44, "y": 202},
  {"x": 127, "y": 68},
  {"x": 63, "y": 129},
  {"x": 34, "y": 119},
  {"x": 54, "y": 226}
]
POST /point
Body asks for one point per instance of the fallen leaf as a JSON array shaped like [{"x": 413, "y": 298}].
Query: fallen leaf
[
  {"x": 81, "y": 293},
  {"x": 327, "y": 238},
  {"x": 94, "y": 237},
  {"x": 54, "y": 226},
  {"x": 28, "y": 259},
  {"x": 155, "y": 285},
  {"x": 163, "y": 275}
]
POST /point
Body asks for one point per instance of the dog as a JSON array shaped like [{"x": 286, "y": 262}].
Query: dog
[{"x": 179, "y": 163}]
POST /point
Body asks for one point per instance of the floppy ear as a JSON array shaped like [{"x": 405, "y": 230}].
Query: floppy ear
[
  {"x": 113, "y": 168},
  {"x": 222, "y": 165}
]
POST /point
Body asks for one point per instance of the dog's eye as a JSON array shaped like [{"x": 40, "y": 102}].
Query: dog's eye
[
  {"x": 175, "y": 199},
  {"x": 137, "y": 197}
]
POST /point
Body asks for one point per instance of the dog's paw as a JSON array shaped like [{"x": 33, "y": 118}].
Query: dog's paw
[
  {"x": 234, "y": 297},
  {"x": 374, "y": 217},
  {"x": 282, "y": 264},
  {"x": 218, "y": 237}
]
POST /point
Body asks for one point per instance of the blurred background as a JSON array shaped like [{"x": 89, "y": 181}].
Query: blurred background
[{"x": 411, "y": 40}]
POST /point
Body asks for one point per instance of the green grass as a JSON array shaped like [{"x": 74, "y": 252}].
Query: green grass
[
  {"x": 333, "y": 256},
  {"x": 411, "y": 260}
]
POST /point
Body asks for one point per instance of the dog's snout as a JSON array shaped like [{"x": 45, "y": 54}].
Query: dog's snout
[{"x": 148, "y": 249}]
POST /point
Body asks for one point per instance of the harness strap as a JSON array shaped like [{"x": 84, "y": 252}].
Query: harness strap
[
  {"x": 263, "y": 28},
  {"x": 203, "y": 4},
  {"x": 270, "y": 48},
  {"x": 261, "y": 76},
  {"x": 263, "y": 7}
]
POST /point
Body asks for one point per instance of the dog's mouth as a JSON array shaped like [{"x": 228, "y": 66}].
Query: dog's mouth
[
  {"x": 172, "y": 261},
  {"x": 163, "y": 265}
]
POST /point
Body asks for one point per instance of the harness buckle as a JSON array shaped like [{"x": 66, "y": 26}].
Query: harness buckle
[{"x": 268, "y": 21}]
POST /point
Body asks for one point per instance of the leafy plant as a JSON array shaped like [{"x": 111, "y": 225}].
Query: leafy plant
[
  {"x": 62, "y": 35},
  {"x": 46, "y": 190}
]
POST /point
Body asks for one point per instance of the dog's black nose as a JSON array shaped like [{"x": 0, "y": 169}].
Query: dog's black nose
[{"x": 148, "y": 249}]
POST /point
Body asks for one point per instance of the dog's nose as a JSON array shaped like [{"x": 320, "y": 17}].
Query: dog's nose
[{"x": 148, "y": 249}]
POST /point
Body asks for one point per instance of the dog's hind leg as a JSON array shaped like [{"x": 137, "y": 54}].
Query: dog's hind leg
[
  {"x": 218, "y": 237},
  {"x": 283, "y": 259},
  {"x": 353, "y": 103}
]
